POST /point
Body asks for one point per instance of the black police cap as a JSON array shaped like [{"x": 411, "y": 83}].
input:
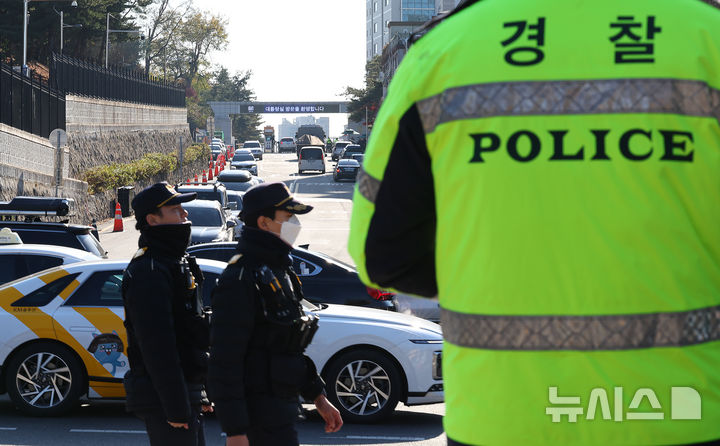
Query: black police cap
[
  {"x": 271, "y": 196},
  {"x": 156, "y": 196}
]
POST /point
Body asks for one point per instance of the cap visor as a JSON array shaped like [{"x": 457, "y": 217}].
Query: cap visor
[
  {"x": 296, "y": 207},
  {"x": 182, "y": 198}
]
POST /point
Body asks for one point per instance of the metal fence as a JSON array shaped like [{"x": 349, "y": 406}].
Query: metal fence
[
  {"x": 29, "y": 104},
  {"x": 79, "y": 77}
]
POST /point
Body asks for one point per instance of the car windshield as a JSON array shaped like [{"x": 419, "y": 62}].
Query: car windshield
[
  {"x": 91, "y": 244},
  {"x": 208, "y": 195},
  {"x": 236, "y": 198},
  {"x": 286, "y": 140},
  {"x": 311, "y": 154},
  {"x": 251, "y": 144},
  {"x": 243, "y": 157},
  {"x": 238, "y": 186},
  {"x": 204, "y": 216}
]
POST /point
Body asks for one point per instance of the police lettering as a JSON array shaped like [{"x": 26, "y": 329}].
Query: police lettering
[{"x": 632, "y": 144}]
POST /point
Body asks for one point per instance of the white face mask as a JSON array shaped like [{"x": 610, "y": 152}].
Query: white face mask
[{"x": 289, "y": 230}]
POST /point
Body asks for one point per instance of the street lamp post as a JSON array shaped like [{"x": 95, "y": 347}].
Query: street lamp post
[
  {"x": 63, "y": 26},
  {"x": 25, "y": 25},
  {"x": 108, "y": 31}
]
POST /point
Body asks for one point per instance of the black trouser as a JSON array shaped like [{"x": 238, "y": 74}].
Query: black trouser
[
  {"x": 162, "y": 434},
  {"x": 284, "y": 435}
]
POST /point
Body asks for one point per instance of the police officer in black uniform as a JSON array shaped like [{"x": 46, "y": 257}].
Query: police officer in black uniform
[
  {"x": 260, "y": 331},
  {"x": 167, "y": 328}
]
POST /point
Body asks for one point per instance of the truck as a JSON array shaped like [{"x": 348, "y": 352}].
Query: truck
[
  {"x": 311, "y": 129},
  {"x": 269, "y": 134},
  {"x": 308, "y": 140}
]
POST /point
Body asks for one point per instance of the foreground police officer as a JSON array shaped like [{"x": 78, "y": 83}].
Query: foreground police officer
[
  {"x": 168, "y": 333},
  {"x": 259, "y": 331},
  {"x": 554, "y": 180}
]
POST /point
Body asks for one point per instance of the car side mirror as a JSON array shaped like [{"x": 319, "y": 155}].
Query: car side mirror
[
  {"x": 231, "y": 223},
  {"x": 232, "y": 206}
]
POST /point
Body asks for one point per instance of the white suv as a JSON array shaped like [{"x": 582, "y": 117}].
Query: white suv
[
  {"x": 255, "y": 148},
  {"x": 287, "y": 144}
]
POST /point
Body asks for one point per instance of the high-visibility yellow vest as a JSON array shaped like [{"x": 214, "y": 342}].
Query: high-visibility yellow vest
[{"x": 575, "y": 156}]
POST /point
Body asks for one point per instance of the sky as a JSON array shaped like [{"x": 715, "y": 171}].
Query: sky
[{"x": 298, "y": 50}]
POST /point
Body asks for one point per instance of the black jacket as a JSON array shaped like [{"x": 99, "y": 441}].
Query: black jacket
[
  {"x": 252, "y": 380},
  {"x": 168, "y": 334}
]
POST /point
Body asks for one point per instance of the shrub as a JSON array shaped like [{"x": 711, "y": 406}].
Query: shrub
[{"x": 112, "y": 176}]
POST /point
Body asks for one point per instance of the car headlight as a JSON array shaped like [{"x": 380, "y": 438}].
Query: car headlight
[{"x": 426, "y": 341}]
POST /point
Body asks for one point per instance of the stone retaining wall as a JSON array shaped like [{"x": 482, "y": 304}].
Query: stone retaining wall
[
  {"x": 29, "y": 152},
  {"x": 89, "y": 115},
  {"x": 101, "y": 206},
  {"x": 99, "y": 132}
]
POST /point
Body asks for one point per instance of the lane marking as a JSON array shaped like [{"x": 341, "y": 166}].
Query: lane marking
[
  {"x": 105, "y": 431},
  {"x": 8, "y": 428}
]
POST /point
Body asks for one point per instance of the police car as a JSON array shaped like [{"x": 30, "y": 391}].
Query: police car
[
  {"x": 18, "y": 259},
  {"x": 62, "y": 339}
]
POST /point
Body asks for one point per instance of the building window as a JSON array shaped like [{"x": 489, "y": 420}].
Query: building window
[
  {"x": 375, "y": 26},
  {"x": 387, "y": 23},
  {"x": 386, "y": 2},
  {"x": 375, "y": 48},
  {"x": 417, "y": 10},
  {"x": 375, "y": 6}
]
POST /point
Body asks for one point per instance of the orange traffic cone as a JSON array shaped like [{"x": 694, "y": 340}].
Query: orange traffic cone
[
  {"x": 216, "y": 170},
  {"x": 211, "y": 165},
  {"x": 204, "y": 177},
  {"x": 118, "y": 226},
  {"x": 210, "y": 174},
  {"x": 196, "y": 179},
  {"x": 188, "y": 181}
]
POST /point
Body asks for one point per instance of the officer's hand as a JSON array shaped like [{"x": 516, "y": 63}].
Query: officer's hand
[
  {"x": 179, "y": 425},
  {"x": 333, "y": 420},
  {"x": 207, "y": 408},
  {"x": 237, "y": 440}
]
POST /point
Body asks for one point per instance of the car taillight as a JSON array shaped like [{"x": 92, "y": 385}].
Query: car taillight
[{"x": 379, "y": 294}]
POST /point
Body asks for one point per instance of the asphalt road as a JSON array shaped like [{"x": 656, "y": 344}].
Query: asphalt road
[{"x": 325, "y": 229}]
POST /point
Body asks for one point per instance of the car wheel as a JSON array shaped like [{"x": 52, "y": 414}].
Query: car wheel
[
  {"x": 364, "y": 385},
  {"x": 44, "y": 379}
]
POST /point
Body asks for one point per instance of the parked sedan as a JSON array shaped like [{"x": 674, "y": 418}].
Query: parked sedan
[
  {"x": 369, "y": 359},
  {"x": 346, "y": 169},
  {"x": 20, "y": 260},
  {"x": 244, "y": 160},
  {"x": 325, "y": 279},
  {"x": 209, "y": 222}
]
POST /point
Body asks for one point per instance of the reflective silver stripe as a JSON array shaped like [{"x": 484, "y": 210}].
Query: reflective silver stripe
[
  {"x": 367, "y": 185},
  {"x": 616, "y": 332},
  {"x": 673, "y": 96}
]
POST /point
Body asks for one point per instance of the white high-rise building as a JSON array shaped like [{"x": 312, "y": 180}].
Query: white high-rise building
[
  {"x": 381, "y": 12},
  {"x": 287, "y": 129}
]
